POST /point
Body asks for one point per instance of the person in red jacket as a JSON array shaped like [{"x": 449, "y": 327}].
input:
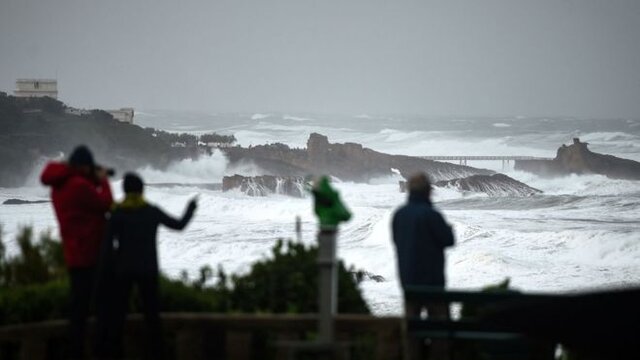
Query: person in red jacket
[{"x": 81, "y": 198}]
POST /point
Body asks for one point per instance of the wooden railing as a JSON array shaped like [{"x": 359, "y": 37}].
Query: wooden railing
[
  {"x": 511, "y": 342},
  {"x": 196, "y": 336}
]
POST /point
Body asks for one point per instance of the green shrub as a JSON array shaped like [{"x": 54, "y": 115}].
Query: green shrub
[
  {"x": 36, "y": 302},
  {"x": 214, "y": 137},
  {"x": 36, "y": 263},
  {"x": 34, "y": 285},
  {"x": 288, "y": 283}
]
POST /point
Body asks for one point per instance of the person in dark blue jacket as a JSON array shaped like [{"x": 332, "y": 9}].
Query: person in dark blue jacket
[
  {"x": 130, "y": 255},
  {"x": 420, "y": 235}
]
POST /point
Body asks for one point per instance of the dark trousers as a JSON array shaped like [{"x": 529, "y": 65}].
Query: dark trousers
[
  {"x": 147, "y": 285},
  {"x": 105, "y": 345},
  {"x": 82, "y": 284}
]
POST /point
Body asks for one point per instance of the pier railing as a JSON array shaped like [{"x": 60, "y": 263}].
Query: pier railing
[{"x": 462, "y": 159}]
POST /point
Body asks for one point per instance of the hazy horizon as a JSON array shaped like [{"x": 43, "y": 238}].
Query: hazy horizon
[{"x": 496, "y": 58}]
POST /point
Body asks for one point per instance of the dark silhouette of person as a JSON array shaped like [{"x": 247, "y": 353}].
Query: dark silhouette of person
[
  {"x": 420, "y": 235},
  {"x": 131, "y": 249},
  {"x": 81, "y": 197}
]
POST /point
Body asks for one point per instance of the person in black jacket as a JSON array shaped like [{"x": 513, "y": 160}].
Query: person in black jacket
[
  {"x": 420, "y": 235},
  {"x": 131, "y": 257}
]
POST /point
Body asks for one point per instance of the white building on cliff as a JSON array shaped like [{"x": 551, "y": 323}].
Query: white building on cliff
[
  {"x": 123, "y": 115},
  {"x": 36, "y": 88}
]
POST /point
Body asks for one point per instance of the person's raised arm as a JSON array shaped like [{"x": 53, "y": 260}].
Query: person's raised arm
[{"x": 178, "y": 224}]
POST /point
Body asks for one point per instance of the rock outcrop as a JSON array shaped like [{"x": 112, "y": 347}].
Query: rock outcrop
[
  {"x": 23, "y": 202},
  {"x": 362, "y": 276},
  {"x": 265, "y": 185},
  {"x": 348, "y": 162},
  {"x": 492, "y": 185},
  {"x": 578, "y": 159}
]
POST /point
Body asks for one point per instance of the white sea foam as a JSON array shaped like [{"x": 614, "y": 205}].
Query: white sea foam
[
  {"x": 259, "y": 116},
  {"x": 209, "y": 169},
  {"x": 581, "y": 233},
  {"x": 296, "y": 118}
]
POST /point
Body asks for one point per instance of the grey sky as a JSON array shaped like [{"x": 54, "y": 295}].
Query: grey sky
[{"x": 478, "y": 58}]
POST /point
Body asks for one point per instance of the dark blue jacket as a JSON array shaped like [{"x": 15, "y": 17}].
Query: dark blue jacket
[
  {"x": 134, "y": 231},
  {"x": 420, "y": 235}
]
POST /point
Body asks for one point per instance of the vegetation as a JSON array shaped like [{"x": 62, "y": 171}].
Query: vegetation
[
  {"x": 32, "y": 128},
  {"x": 288, "y": 282},
  {"x": 217, "y": 138},
  {"x": 173, "y": 139},
  {"x": 35, "y": 264},
  {"x": 34, "y": 287},
  {"x": 189, "y": 140}
]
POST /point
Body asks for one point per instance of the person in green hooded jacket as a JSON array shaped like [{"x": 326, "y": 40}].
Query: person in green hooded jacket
[{"x": 130, "y": 259}]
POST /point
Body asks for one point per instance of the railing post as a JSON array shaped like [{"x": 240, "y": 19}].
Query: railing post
[
  {"x": 33, "y": 348},
  {"x": 388, "y": 343},
  {"x": 238, "y": 345},
  {"x": 190, "y": 344}
]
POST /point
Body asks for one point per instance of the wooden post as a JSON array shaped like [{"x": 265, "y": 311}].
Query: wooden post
[
  {"x": 33, "y": 348},
  {"x": 190, "y": 344},
  {"x": 388, "y": 344},
  {"x": 238, "y": 345}
]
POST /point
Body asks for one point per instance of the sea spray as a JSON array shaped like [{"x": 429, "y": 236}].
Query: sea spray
[
  {"x": 581, "y": 233},
  {"x": 205, "y": 169}
]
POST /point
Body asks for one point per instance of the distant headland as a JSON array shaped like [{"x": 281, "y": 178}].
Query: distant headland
[{"x": 34, "y": 128}]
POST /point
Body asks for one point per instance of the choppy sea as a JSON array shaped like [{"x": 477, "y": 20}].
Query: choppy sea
[{"x": 582, "y": 233}]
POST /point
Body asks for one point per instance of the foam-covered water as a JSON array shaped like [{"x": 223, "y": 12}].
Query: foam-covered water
[{"x": 581, "y": 233}]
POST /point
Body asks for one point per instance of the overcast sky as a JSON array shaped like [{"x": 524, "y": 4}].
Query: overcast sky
[{"x": 474, "y": 57}]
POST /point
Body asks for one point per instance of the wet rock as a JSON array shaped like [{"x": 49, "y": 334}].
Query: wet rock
[
  {"x": 492, "y": 185},
  {"x": 23, "y": 202},
  {"x": 362, "y": 275},
  {"x": 578, "y": 159}
]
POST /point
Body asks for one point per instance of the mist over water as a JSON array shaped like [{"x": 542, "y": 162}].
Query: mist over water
[{"x": 581, "y": 233}]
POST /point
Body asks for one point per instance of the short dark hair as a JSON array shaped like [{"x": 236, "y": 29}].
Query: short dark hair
[
  {"x": 419, "y": 183},
  {"x": 81, "y": 156},
  {"x": 132, "y": 183}
]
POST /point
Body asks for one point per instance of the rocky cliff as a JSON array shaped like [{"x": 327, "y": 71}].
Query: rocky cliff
[
  {"x": 265, "y": 185},
  {"x": 348, "y": 162},
  {"x": 578, "y": 159},
  {"x": 32, "y": 129}
]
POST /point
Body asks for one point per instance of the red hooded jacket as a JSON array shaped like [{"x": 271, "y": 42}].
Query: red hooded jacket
[{"x": 80, "y": 204}]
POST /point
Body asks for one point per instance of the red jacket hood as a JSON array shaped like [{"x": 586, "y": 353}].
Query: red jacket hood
[{"x": 56, "y": 173}]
